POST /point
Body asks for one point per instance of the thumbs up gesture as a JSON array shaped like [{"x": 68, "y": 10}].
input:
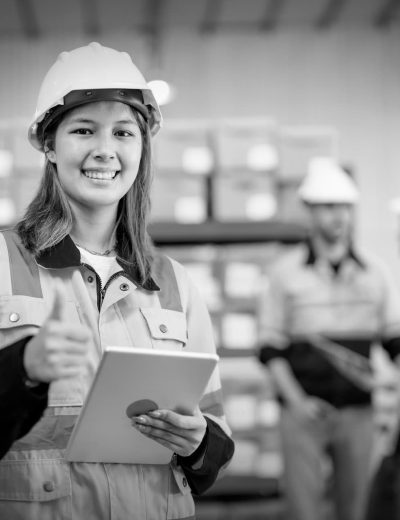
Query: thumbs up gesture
[{"x": 59, "y": 349}]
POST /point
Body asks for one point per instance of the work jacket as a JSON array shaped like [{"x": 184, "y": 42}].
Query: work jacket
[
  {"x": 323, "y": 321},
  {"x": 165, "y": 313}
]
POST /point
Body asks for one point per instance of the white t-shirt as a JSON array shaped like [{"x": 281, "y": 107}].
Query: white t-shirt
[{"x": 105, "y": 266}]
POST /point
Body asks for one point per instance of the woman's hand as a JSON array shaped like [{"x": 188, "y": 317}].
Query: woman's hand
[
  {"x": 180, "y": 433},
  {"x": 59, "y": 349}
]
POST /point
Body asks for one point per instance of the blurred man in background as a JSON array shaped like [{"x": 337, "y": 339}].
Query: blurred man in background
[{"x": 325, "y": 307}]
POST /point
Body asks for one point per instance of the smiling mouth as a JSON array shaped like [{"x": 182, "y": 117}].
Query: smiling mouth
[{"x": 108, "y": 175}]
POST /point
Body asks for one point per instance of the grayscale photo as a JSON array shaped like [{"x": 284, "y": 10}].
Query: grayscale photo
[{"x": 200, "y": 260}]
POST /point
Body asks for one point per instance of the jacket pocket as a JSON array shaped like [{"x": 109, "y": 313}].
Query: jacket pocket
[
  {"x": 168, "y": 329},
  {"x": 22, "y": 316},
  {"x": 35, "y": 488},
  {"x": 180, "y": 500}
]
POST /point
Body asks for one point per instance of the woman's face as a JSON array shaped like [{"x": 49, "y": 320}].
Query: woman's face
[{"x": 97, "y": 150}]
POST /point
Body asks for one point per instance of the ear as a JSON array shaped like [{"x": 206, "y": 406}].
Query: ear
[{"x": 51, "y": 155}]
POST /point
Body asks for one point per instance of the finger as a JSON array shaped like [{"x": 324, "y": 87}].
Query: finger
[
  {"x": 176, "y": 445},
  {"x": 72, "y": 359},
  {"x": 173, "y": 418},
  {"x": 160, "y": 435},
  {"x": 73, "y": 332},
  {"x": 57, "y": 310},
  {"x": 166, "y": 431},
  {"x": 68, "y": 371},
  {"x": 54, "y": 371},
  {"x": 59, "y": 345},
  {"x": 182, "y": 445},
  {"x": 58, "y": 365},
  {"x": 177, "y": 448},
  {"x": 146, "y": 424}
]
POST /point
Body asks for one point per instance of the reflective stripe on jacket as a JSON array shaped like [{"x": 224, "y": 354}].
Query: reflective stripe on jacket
[{"x": 35, "y": 480}]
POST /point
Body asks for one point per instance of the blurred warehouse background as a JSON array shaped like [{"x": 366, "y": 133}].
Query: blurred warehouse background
[{"x": 254, "y": 89}]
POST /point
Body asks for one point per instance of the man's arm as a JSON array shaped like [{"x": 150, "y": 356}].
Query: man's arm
[
  {"x": 273, "y": 311},
  {"x": 285, "y": 381},
  {"x": 292, "y": 393}
]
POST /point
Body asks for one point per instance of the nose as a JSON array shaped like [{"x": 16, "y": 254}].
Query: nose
[
  {"x": 103, "y": 149},
  {"x": 342, "y": 211}
]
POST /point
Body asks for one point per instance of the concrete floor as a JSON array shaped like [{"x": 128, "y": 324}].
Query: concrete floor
[
  {"x": 259, "y": 509},
  {"x": 271, "y": 508}
]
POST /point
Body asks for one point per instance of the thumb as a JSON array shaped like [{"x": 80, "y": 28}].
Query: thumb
[{"x": 57, "y": 310}]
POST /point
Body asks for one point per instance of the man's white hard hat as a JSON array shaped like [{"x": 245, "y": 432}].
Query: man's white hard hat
[
  {"x": 87, "y": 74},
  {"x": 327, "y": 183}
]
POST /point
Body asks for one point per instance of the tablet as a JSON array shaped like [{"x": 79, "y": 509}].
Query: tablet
[{"x": 131, "y": 381}]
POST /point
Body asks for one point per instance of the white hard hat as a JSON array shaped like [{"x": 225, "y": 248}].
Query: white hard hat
[
  {"x": 327, "y": 183},
  {"x": 88, "y": 74}
]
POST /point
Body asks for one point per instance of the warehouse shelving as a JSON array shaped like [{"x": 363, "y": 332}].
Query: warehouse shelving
[
  {"x": 251, "y": 408},
  {"x": 213, "y": 232}
]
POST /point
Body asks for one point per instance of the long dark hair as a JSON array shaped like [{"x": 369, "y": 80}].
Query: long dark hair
[{"x": 48, "y": 218}]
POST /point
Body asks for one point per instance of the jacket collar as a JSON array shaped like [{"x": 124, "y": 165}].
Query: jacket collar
[
  {"x": 66, "y": 254},
  {"x": 312, "y": 255}
]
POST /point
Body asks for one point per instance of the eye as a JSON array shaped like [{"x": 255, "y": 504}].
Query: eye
[
  {"x": 82, "y": 131},
  {"x": 124, "y": 133}
]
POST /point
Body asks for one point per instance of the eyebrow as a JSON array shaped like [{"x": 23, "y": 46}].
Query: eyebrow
[
  {"x": 126, "y": 121},
  {"x": 85, "y": 120}
]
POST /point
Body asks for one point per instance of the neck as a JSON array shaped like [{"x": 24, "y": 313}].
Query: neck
[
  {"x": 94, "y": 231},
  {"x": 331, "y": 251}
]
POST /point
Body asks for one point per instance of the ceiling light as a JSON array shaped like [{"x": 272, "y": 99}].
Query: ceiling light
[{"x": 162, "y": 90}]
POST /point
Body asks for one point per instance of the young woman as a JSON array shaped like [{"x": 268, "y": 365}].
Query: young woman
[{"x": 79, "y": 274}]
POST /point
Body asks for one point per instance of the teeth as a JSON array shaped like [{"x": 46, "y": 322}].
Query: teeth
[{"x": 95, "y": 174}]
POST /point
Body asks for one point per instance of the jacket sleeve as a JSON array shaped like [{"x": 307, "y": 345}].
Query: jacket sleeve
[
  {"x": 215, "y": 452},
  {"x": 267, "y": 353},
  {"x": 20, "y": 406},
  {"x": 390, "y": 312},
  {"x": 272, "y": 319},
  {"x": 217, "y": 446}
]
